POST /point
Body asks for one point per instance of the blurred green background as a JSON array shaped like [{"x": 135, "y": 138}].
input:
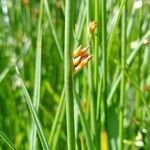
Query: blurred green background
[{"x": 18, "y": 39}]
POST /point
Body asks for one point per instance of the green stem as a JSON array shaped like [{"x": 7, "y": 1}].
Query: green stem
[
  {"x": 53, "y": 30},
  {"x": 137, "y": 109},
  {"x": 7, "y": 141},
  {"x": 122, "y": 86},
  {"x": 36, "y": 95},
  {"x": 96, "y": 75},
  {"x": 112, "y": 36},
  {"x": 84, "y": 123},
  {"x": 91, "y": 81},
  {"x": 56, "y": 122},
  {"x": 69, "y": 9},
  {"x": 33, "y": 113},
  {"x": 128, "y": 63},
  {"x": 97, "y": 39},
  {"x": 104, "y": 39}
]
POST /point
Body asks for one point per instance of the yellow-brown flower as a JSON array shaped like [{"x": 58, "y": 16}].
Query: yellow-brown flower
[
  {"x": 91, "y": 28},
  {"x": 80, "y": 58}
]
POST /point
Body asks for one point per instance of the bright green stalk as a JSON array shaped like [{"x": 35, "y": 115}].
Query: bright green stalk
[
  {"x": 128, "y": 62},
  {"x": 96, "y": 67},
  {"x": 36, "y": 96},
  {"x": 33, "y": 113},
  {"x": 137, "y": 112},
  {"x": 131, "y": 21},
  {"x": 53, "y": 30},
  {"x": 112, "y": 36},
  {"x": 91, "y": 81},
  {"x": 80, "y": 24},
  {"x": 97, "y": 40},
  {"x": 56, "y": 122},
  {"x": 122, "y": 86},
  {"x": 7, "y": 141},
  {"x": 104, "y": 51},
  {"x": 58, "y": 131},
  {"x": 69, "y": 10},
  {"x": 84, "y": 123},
  {"x": 4, "y": 73}
]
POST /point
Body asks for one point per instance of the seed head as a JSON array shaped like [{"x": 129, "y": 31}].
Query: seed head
[
  {"x": 83, "y": 63},
  {"x": 79, "y": 51},
  {"x": 80, "y": 58},
  {"x": 91, "y": 28},
  {"x": 25, "y": 2}
]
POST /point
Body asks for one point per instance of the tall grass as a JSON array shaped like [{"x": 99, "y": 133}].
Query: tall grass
[
  {"x": 105, "y": 105},
  {"x": 104, "y": 46},
  {"x": 122, "y": 86},
  {"x": 37, "y": 82},
  {"x": 69, "y": 20}
]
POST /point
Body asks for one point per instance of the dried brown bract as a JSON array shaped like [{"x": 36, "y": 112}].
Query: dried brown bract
[{"x": 80, "y": 58}]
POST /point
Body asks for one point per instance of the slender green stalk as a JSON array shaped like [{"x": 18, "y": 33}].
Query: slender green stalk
[
  {"x": 96, "y": 73},
  {"x": 128, "y": 63},
  {"x": 7, "y": 141},
  {"x": 91, "y": 80},
  {"x": 137, "y": 112},
  {"x": 80, "y": 24},
  {"x": 58, "y": 131},
  {"x": 104, "y": 50},
  {"x": 97, "y": 40},
  {"x": 69, "y": 9},
  {"x": 122, "y": 86},
  {"x": 53, "y": 30},
  {"x": 84, "y": 123},
  {"x": 56, "y": 122},
  {"x": 141, "y": 93},
  {"x": 4, "y": 73},
  {"x": 112, "y": 36},
  {"x": 33, "y": 113},
  {"x": 36, "y": 96},
  {"x": 131, "y": 21}
]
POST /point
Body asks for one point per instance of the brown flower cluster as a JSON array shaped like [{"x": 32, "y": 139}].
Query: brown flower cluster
[
  {"x": 80, "y": 58},
  {"x": 91, "y": 28}
]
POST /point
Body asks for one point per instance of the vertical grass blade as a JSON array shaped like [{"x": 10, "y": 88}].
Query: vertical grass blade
[
  {"x": 112, "y": 36},
  {"x": 7, "y": 141},
  {"x": 33, "y": 113},
  {"x": 56, "y": 122},
  {"x": 37, "y": 82},
  {"x": 122, "y": 86},
  {"x": 96, "y": 67},
  {"x": 104, "y": 51},
  {"x": 97, "y": 42},
  {"x": 69, "y": 9},
  {"x": 4, "y": 73},
  {"x": 85, "y": 126},
  {"x": 91, "y": 79},
  {"x": 53, "y": 29},
  {"x": 128, "y": 63}
]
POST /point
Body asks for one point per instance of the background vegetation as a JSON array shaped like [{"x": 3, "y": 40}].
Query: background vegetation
[{"x": 110, "y": 96}]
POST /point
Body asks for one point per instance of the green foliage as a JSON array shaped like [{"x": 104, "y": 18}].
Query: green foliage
[{"x": 104, "y": 104}]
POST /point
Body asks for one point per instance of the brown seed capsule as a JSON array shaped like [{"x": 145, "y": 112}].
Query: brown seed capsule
[
  {"x": 147, "y": 88},
  {"x": 83, "y": 63},
  {"x": 91, "y": 27},
  {"x": 25, "y": 2},
  {"x": 76, "y": 61},
  {"x": 80, "y": 58},
  {"x": 80, "y": 51}
]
